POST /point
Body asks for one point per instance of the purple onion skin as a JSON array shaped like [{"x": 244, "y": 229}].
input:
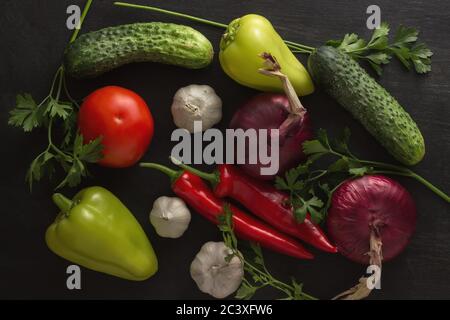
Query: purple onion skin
[
  {"x": 363, "y": 202},
  {"x": 268, "y": 111}
]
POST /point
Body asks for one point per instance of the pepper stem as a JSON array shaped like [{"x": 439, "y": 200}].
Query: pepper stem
[
  {"x": 211, "y": 177},
  {"x": 172, "y": 174},
  {"x": 63, "y": 203},
  {"x": 274, "y": 70},
  {"x": 296, "y": 109}
]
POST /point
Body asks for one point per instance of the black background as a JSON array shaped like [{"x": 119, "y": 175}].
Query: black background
[{"x": 33, "y": 36}]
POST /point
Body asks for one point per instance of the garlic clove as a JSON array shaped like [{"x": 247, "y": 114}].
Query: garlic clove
[
  {"x": 170, "y": 217},
  {"x": 213, "y": 274},
  {"x": 196, "y": 103}
]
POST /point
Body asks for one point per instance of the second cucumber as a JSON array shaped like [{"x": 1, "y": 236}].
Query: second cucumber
[
  {"x": 97, "y": 52},
  {"x": 346, "y": 81}
]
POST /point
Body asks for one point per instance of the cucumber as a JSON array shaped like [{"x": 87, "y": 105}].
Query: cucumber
[
  {"x": 97, "y": 52},
  {"x": 347, "y": 82}
]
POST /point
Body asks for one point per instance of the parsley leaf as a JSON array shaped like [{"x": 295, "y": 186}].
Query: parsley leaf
[
  {"x": 311, "y": 206},
  {"x": 256, "y": 274},
  {"x": 70, "y": 154},
  {"x": 90, "y": 152},
  {"x": 405, "y": 35},
  {"x": 378, "y": 51},
  {"x": 58, "y": 109},
  {"x": 73, "y": 155},
  {"x": 69, "y": 127},
  {"x": 359, "y": 172},
  {"x": 341, "y": 164},
  {"x": 352, "y": 42},
  {"x": 420, "y": 56},
  {"x": 379, "y": 37},
  {"x": 41, "y": 164},
  {"x": 311, "y": 186},
  {"x": 27, "y": 114},
  {"x": 311, "y": 147},
  {"x": 245, "y": 291},
  {"x": 340, "y": 144}
]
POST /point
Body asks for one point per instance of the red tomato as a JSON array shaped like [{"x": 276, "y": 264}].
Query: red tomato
[{"x": 124, "y": 121}]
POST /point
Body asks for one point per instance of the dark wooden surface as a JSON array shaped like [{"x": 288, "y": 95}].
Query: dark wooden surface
[{"x": 33, "y": 35}]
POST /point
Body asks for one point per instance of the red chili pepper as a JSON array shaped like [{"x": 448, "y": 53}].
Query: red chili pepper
[
  {"x": 265, "y": 201},
  {"x": 194, "y": 191}
]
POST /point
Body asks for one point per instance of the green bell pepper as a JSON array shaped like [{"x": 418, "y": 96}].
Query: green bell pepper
[
  {"x": 97, "y": 231},
  {"x": 248, "y": 37}
]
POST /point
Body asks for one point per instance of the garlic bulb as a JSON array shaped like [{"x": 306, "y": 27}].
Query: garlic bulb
[
  {"x": 213, "y": 274},
  {"x": 170, "y": 217},
  {"x": 196, "y": 103}
]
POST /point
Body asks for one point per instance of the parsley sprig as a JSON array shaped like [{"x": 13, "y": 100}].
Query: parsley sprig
[
  {"x": 256, "y": 275},
  {"x": 311, "y": 187},
  {"x": 378, "y": 51},
  {"x": 58, "y": 107}
]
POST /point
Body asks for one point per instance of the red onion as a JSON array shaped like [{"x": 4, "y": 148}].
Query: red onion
[
  {"x": 371, "y": 220},
  {"x": 371, "y": 206},
  {"x": 275, "y": 111}
]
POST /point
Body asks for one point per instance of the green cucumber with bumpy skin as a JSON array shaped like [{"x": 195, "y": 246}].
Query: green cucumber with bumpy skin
[
  {"x": 347, "y": 82},
  {"x": 97, "y": 52}
]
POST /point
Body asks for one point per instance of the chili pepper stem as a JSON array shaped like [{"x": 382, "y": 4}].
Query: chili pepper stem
[
  {"x": 173, "y": 175},
  {"x": 210, "y": 177},
  {"x": 63, "y": 203}
]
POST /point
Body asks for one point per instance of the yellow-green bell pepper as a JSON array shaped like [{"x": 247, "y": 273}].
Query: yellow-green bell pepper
[
  {"x": 97, "y": 231},
  {"x": 248, "y": 37}
]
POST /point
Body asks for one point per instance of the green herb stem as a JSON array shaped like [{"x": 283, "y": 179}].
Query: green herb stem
[
  {"x": 430, "y": 186},
  {"x": 66, "y": 92},
  {"x": 259, "y": 273},
  {"x": 46, "y": 114},
  {"x": 299, "y": 45},
  {"x": 319, "y": 175},
  {"x": 386, "y": 168},
  {"x": 83, "y": 16},
  {"x": 385, "y": 165},
  {"x": 60, "y": 83},
  {"x": 296, "y": 47},
  {"x": 418, "y": 178},
  {"x": 270, "y": 280},
  {"x": 54, "y": 81},
  {"x": 172, "y": 13}
]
